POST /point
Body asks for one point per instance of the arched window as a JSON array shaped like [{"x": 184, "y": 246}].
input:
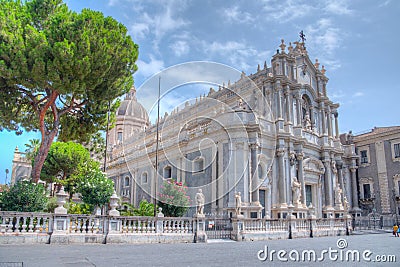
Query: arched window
[
  {"x": 167, "y": 172},
  {"x": 126, "y": 181},
  {"x": 144, "y": 178}
]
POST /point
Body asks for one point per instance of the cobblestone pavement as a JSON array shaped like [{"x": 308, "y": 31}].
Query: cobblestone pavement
[{"x": 214, "y": 254}]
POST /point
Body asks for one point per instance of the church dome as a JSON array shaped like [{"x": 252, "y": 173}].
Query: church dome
[{"x": 130, "y": 108}]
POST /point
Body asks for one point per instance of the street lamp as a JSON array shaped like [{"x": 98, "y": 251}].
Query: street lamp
[
  {"x": 7, "y": 172},
  {"x": 395, "y": 204}
]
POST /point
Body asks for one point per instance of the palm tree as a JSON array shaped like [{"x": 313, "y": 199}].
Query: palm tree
[{"x": 32, "y": 149}]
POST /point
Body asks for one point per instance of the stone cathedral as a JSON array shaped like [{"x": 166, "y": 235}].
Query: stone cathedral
[{"x": 272, "y": 136}]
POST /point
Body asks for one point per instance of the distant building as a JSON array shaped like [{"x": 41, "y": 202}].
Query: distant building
[
  {"x": 21, "y": 168},
  {"x": 378, "y": 173}
]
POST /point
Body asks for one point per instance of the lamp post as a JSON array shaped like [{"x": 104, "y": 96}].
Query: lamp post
[
  {"x": 108, "y": 128},
  {"x": 7, "y": 171},
  {"x": 157, "y": 144},
  {"x": 395, "y": 204}
]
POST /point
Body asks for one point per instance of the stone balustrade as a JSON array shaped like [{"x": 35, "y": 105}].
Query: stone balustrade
[
  {"x": 24, "y": 222},
  {"x": 20, "y": 227}
]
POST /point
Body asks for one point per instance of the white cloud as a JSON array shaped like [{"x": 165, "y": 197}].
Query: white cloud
[
  {"x": 358, "y": 94},
  {"x": 180, "y": 48},
  {"x": 387, "y": 2},
  {"x": 239, "y": 54},
  {"x": 338, "y": 7},
  {"x": 140, "y": 30},
  {"x": 147, "y": 69},
  {"x": 284, "y": 11},
  {"x": 156, "y": 25},
  {"x": 324, "y": 39},
  {"x": 233, "y": 14}
]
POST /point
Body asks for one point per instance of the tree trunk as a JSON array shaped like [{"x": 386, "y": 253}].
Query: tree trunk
[{"x": 47, "y": 140}]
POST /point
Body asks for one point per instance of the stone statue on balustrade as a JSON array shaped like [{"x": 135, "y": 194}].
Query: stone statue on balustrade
[
  {"x": 199, "y": 202},
  {"x": 238, "y": 204},
  {"x": 296, "y": 191}
]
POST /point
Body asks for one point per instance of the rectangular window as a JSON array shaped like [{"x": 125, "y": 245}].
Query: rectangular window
[
  {"x": 367, "y": 190},
  {"x": 396, "y": 148},
  {"x": 308, "y": 195},
  {"x": 364, "y": 156}
]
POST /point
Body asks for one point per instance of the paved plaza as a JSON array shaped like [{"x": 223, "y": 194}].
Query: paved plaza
[{"x": 211, "y": 254}]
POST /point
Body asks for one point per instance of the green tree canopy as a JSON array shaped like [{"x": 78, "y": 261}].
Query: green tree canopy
[
  {"x": 59, "y": 70},
  {"x": 95, "y": 188},
  {"x": 173, "y": 199},
  {"x": 66, "y": 163},
  {"x": 24, "y": 196}
]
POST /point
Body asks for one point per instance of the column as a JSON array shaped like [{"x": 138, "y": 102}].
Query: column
[
  {"x": 341, "y": 181},
  {"x": 300, "y": 174},
  {"x": 312, "y": 118},
  {"x": 279, "y": 95},
  {"x": 298, "y": 110},
  {"x": 328, "y": 184},
  {"x": 288, "y": 104},
  {"x": 323, "y": 120},
  {"x": 281, "y": 177},
  {"x": 354, "y": 186},
  {"x": 329, "y": 116},
  {"x": 255, "y": 196},
  {"x": 336, "y": 114}
]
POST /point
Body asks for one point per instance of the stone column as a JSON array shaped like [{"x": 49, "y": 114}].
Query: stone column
[
  {"x": 288, "y": 103},
  {"x": 354, "y": 187},
  {"x": 329, "y": 115},
  {"x": 328, "y": 184},
  {"x": 312, "y": 118},
  {"x": 281, "y": 177},
  {"x": 298, "y": 110},
  {"x": 323, "y": 120},
  {"x": 300, "y": 175},
  {"x": 336, "y": 114},
  {"x": 255, "y": 196}
]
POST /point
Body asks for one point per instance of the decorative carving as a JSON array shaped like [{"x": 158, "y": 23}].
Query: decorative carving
[{"x": 280, "y": 152}]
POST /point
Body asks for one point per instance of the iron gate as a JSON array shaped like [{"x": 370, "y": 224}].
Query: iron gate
[{"x": 218, "y": 228}]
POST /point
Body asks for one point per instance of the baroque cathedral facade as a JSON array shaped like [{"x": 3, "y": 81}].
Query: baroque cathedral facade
[{"x": 273, "y": 136}]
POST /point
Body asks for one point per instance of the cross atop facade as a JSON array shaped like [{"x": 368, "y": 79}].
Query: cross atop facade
[{"x": 302, "y": 36}]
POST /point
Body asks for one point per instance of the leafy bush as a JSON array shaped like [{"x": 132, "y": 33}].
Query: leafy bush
[
  {"x": 24, "y": 196},
  {"x": 79, "y": 208},
  {"x": 95, "y": 188},
  {"x": 145, "y": 209},
  {"x": 173, "y": 199}
]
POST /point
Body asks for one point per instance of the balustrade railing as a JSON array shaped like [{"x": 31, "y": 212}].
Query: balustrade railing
[{"x": 25, "y": 222}]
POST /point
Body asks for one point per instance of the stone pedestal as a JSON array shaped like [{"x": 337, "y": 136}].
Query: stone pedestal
[
  {"x": 237, "y": 227},
  {"x": 159, "y": 224},
  {"x": 200, "y": 235}
]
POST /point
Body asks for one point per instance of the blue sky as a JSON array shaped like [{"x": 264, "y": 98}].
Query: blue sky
[{"x": 356, "y": 40}]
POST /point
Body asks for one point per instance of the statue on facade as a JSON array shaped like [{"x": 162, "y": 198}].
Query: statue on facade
[
  {"x": 296, "y": 191},
  {"x": 333, "y": 165},
  {"x": 200, "y": 202},
  {"x": 345, "y": 204},
  {"x": 338, "y": 195},
  {"x": 307, "y": 121},
  {"x": 292, "y": 158},
  {"x": 238, "y": 204}
]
